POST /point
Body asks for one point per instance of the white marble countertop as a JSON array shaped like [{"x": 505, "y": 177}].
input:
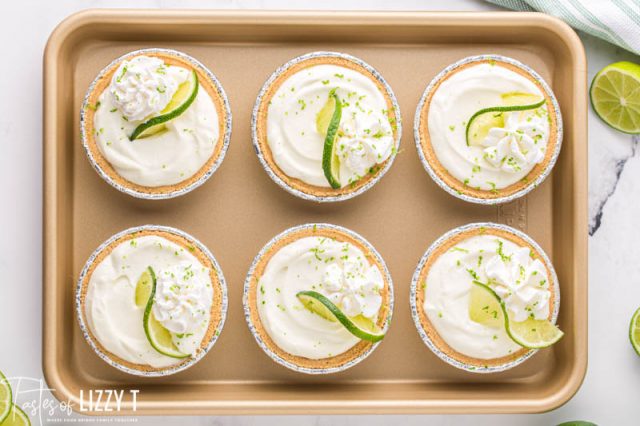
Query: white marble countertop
[{"x": 611, "y": 389}]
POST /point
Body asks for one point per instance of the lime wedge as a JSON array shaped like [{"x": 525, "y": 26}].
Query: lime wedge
[
  {"x": 615, "y": 96},
  {"x": 534, "y": 334},
  {"x": 577, "y": 423},
  {"x": 16, "y": 417},
  {"x": 158, "y": 336},
  {"x": 359, "y": 326},
  {"x": 530, "y": 334},
  {"x": 181, "y": 100},
  {"x": 144, "y": 287},
  {"x": 487, "y": 118},
  {"x": 634, "y": 331},
  {"x": 330, "y": 160},
  {"x": 5, "y": 397}
]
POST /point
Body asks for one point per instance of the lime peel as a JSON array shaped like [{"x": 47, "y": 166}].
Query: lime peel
[
  {"x": 158, "y": 336},
  {"x": 634, "y": 331},
  {"x": 181, "y": 100},
  {"x": 360, "y": 326},
  {"x": 330, "y": 160},
  {"x": 499, "y": 109}
]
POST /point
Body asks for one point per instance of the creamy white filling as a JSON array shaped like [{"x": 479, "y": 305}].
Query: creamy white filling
[
  {"x": 508, "y": 154},
  {"x": 340, "y": 271},
  {"x": 521, "y": 281},
  {"x": 111, "y": 311},
  {"x": 365, "y": 136},
  {"x": 167, "y": 158}
]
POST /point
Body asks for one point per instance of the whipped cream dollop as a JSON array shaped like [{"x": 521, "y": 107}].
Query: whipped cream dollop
[
  {"x": 354, "y": 287},
  {"x": 508, "y": 153},
  {"x": 117, "y": 322},
  {"x": 521, "y": 282},
  {"x": 182, "y": 301},
  {"x": 509, "y": 269},
  {"x": 365, "y": 136},
  {"x": 515, "y": 147},
  {"x": 143, "y": 86},
  {"x": 362, "y": 143},
  {"x": 166, "y": 158},
  {"x": 340, "y": 271}
]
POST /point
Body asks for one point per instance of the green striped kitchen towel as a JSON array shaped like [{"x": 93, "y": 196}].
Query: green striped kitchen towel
[{"x": 615, "y": 21}]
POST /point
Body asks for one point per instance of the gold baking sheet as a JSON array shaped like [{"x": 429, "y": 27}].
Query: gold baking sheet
[{"x": 239, "y": 209}]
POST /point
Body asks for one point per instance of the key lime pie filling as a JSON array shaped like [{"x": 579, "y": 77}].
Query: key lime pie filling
[
  {"x": 151, "y": 301},
  {"x": 485, "y": 297},
  {"x": 318, "y": 298},
  {"x": 326, "y": 126},
  {"x": 156, "y": 123},
  {"x": 488, "y": 129}
]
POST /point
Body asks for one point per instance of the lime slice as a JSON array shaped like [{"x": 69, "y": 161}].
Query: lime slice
[
  {"x": 144, "y": 287},
  {"x": 530, "y": 334},
  {"x": 478, "y": 129},
  {"x": 315, "y": 306},
  {"x": 615, "y": 96},
  {"x": 16, "y": 417},
  {"x": 359, "y": 326},
  {"x": 323, "y": 118},
  {"x": 485, "y": 306},
  {"x": 487, "y": 118},
  {"x": 330, "y": 160},
  {"x": 5, "y": 397},
  {"x": 159, "y": 337},
  {"x": 519, "y": 98},
  {"x": 634, "y": 331},
  {"x": 181, "y": 100}
]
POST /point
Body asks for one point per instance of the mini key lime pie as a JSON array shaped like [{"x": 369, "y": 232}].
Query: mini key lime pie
[
  {"x": 484, "y": 297},
  {"x": 318, "y": 298},
  {"x": 488, "y": 129},
  {"x": 155, "y": 123},
  {"x": 326, "y": 126},
  {"x": 151, "y": 301}
]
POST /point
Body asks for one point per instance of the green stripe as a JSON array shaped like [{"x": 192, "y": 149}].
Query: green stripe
[
  {"x": 612, "y": 36},
  {"x": 558, "y": 10},
  {"x": 635, "y": 16},
  {"x": 583, "y": 19},
  {"x": 576, "y": 23}
]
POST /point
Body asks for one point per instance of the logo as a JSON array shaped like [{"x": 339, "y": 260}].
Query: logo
[{"x": 31, "y": 398}]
